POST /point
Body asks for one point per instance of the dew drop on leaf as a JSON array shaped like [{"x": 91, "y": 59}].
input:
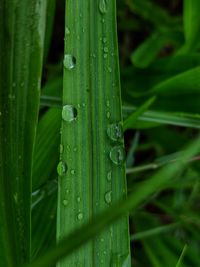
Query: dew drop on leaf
[
  {"x": 103, "y": 6},
  {"x": 108, "y": 197},
  {"x": 115, "y": 131},
  {"x": 117, "y": 155},
  {"x": 109, "y": 176},
  {"x": 61, "y": 168},
  {"x": 69, "y": 113},
  {"x": 65, "y": 202},
  {"x": 80, "y": 216},
  {"x": 69, "y": 62}
]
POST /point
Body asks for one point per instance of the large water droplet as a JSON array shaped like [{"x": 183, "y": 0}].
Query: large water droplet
[
  {"x": 80, "y": 216},
  {"x": 69, "y": 62},
  {"x": 69, "y": 113},
  {"x": 61, "y": 168},
  {"x": 117, "y": 155},
  {"x": 108, "y": 197},
  {"x": 103, "y": 6},
  {"x": 115, "y": 131}
]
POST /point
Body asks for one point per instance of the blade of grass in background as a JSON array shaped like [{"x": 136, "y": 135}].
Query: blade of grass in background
[
  {"x": 91, "y": 168},
  {"x": 191, "y": 25},
  {"x": 21, "y": 44}
]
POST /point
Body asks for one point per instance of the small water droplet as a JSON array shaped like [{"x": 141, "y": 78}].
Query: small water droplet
[
  {"x": 65, "y": 202},
  {"x": 83, "y": 104},
  {"x": 105, "y": 49},
  {"x": 72, "y": 172},
  {"x": 80, "y": 216},
  {"x": 109, "y": 176},
  {"x": 67, "y": 31},
  {"x": 108, "y": 103},
  {"x": 78, "y": 199},
  {"x": 115, "y": 131},
  {"x": 117, "y": 155},
  {"x": 108, "y": 197},
  {"x": 75, "y": 149},
  {"x": 61, "y": 168},
  {"x": 103, "y": 6},
  {"x": 104, "y": 40},
  {"x": 108, "y": 115},
  {"x": 110, "y": 69},
  {"x": 105, "y": 55},
  {"x": 69, "y": 113},
  {"x": 69, "y": 62}
]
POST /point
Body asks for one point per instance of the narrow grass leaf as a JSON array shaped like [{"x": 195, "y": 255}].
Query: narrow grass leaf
[
  {"x": 191, "y": 25},
  {"x": 92, "y": 161},
  {"x": 144, "y": 55},
  {"x": 129, "y": 122},
  {"x": 22, "y": 26},
  {"x": 179, "y": 263}
]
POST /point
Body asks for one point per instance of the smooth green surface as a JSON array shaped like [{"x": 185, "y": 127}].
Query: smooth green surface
[
  {"x": 21, "y": 44},
  {"x": 95, "y": 176}
]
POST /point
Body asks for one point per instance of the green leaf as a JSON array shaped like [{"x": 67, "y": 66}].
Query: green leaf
[
  {"x": 179, "y": 263},
  {"x": 191, "y": 25},
  {"x": 91, "y": 168},
  {"x": 22, "y": 26},
  {"x": 148, "y": 50},
  {"x": 129, "y": 122},
  {"x": 46, "y": 152}
]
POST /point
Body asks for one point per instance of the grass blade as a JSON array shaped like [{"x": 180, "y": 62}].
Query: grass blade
[
  {"x": 191, "y": 25},
  {"x": 179, "y": 263},
  {"x": 92, "y": 135},
  {"x": 21, "y": 44}
]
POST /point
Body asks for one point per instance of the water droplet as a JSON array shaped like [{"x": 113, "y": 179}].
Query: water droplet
[
  {"x": 108, "y": 115},
  {"x": 65, "y": 202},
  {"x": 117, "y": 155},
  {"x": 83, "y": 104},
  {"x": 109, "y": 176},
  {"x": 80, "y": 216},
  {"x": 104, "y": 40},
  {"x": 115, "y": 131},
  {"x": 61, "y": 168},
  {"x": 110, "y": 69},
  {"x": 67, "y": 31},
  {"x": 108, "y": 103},
  {"x": 78, "y": 199},
  {"x": 108, "y": 197},
  {"x": 105, "y": 55},
  {"x": 103, "y": 6},
  {"x": 69, "y": 62},
  {"x": 75, "y": 149},
  {"x": 72, "y": 172},
  {"x": 69, "y": 113},
  {"x": 105, "y": 49}
]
